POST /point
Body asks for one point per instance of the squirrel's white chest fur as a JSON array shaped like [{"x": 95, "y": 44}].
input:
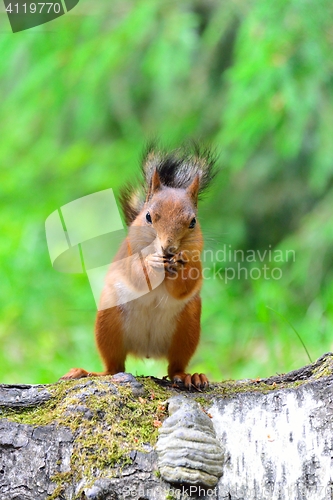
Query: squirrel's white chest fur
[{"x": 150, "y": 322}]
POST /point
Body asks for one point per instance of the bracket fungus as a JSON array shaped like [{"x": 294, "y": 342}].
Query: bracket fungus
[{"x": 187, "y": 447}]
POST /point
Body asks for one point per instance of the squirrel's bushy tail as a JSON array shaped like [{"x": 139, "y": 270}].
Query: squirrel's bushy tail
[{"x": 176, "y": 169}]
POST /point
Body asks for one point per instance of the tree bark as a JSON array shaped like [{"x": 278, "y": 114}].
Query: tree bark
[{"x": 94, "y": 439}]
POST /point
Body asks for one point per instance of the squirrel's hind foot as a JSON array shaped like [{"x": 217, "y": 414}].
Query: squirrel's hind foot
[
  {"x": 196, "y": 381},
  {"x": 75, "y": 373}
]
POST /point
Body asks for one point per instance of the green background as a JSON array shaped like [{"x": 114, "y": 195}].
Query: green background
[{"x": 81, "y": 95}]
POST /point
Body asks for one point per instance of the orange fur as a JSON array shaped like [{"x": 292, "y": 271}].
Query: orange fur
[
  {"x": 163, "y": 320},
  {"x": 185, "y": 338}
]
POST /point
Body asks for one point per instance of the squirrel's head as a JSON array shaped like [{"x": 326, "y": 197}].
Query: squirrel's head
[{"x": 171, "y": 215}]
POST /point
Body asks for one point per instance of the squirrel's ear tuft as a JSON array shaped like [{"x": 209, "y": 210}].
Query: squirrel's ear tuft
[
  {"x": 155, "y": 184},
  {"x": 193, "y": 189}
]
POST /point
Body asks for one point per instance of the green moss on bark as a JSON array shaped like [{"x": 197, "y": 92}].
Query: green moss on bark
[
  {"x": 107, "y": 424},
  {"x": 108, "y": 421}
]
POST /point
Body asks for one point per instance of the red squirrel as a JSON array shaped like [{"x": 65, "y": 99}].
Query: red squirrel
[{"x": 150, "y": 305}]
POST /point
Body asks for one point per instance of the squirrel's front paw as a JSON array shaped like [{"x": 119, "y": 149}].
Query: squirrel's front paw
[
  {"x": 155, "y": 261},
  {"x": 176, "y": 262},
  {"x": 179, "y": 258}
]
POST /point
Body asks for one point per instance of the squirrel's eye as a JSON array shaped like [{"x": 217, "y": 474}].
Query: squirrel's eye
[
  {"x": 192, "y": 223},
  {"x": 148, "y": 218}
]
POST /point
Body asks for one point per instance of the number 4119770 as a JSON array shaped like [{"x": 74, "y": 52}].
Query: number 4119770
[{"x": 33, "y": 8}]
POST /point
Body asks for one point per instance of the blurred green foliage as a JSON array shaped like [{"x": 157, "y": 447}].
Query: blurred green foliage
[{"x": 81, "y": 95}]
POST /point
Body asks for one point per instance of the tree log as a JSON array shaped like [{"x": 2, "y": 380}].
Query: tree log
[{"x": 94, "y": 438}]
